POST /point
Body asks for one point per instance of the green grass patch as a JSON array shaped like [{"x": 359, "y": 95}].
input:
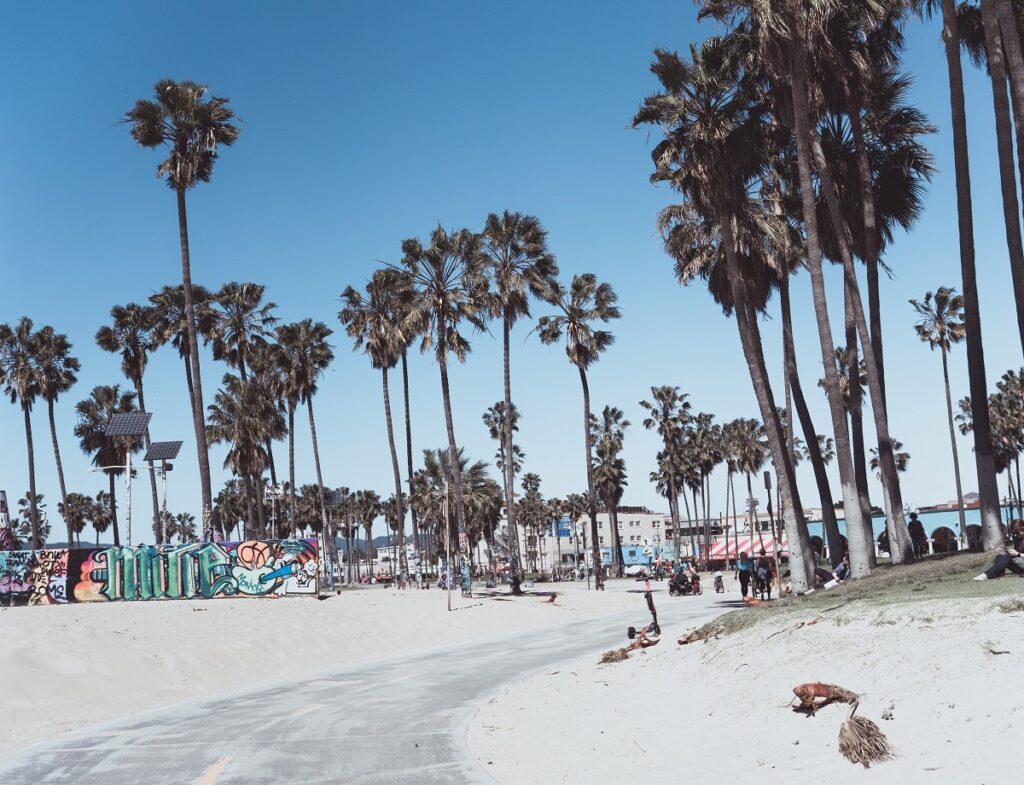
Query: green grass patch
[{"x": 945, "y": 576}]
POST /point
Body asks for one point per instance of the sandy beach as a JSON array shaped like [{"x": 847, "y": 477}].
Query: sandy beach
[
  {"x": 941, "y": 678},
  {"x": 69, "y": 666}
]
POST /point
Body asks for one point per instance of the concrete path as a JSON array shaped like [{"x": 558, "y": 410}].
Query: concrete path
[{"x": 393, "y": 721}]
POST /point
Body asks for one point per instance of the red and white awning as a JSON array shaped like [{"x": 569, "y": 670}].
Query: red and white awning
[{"x": 730, "y": 548}]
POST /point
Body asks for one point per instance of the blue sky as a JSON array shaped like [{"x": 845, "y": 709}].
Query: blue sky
[{"x": 364, "y": 124}]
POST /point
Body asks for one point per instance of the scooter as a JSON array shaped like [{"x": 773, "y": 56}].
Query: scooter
[{"x": 695, "y": 585}]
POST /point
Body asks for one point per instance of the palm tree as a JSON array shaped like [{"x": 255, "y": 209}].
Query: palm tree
[
  {"x": 575, "y": 507},
  {"x": 715, "y": 150},
  {"x": 266, "y": 372},
  {"x": 170, "y": 324},
  {"x": 130, "y": 335},
  {"x": 376, "y": 325},
  {"x": 609, "y": 470},
  {"x": 185, "y": 527},
  {"x": 369, "y": 508},
  {"x": 941, "y": 324},
  {"x": 240, "y": 415},
  {"x": 533, "y": 511},
  {"x": 19, "y": 350},
  {"x": 108, "y": 453},
  {"x": 519, "y": 264},
  {"x": 669, "y": 414},
  {"x": 305, "y": 354},
  {"x": 33, "y": 525},
  {"x": 102, "y": 514},
  {"x": 76, "y": 510},
  {"x": 192, "y": 129},
  {"x": 230, "y": 507},
  {"x": 984, "y": 458},
  {"x": 584, "y": 304},
  {"x": 450, "y": 288},
  {"x": 902, "y": 458},
  {"x": 57, "y": 374},
  {"x": 242, "y": 322},
  {"x": 494, "y": 419}
]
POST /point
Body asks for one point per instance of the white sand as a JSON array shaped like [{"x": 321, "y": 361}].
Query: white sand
[
  {"x": 68, "y": 666},
  {"x": 720, "y": 711}
]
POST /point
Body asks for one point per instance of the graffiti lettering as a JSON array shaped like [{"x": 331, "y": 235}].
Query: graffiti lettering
[{"x": 254, "y": 568}]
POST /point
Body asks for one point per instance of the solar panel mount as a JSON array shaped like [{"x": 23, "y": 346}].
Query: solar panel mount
[
  {"x": 162, "y": 451},
  {"x": 128, "y": 424}
]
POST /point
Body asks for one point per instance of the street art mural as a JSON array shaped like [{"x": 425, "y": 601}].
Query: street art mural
[{"x": 254, "y": 568}]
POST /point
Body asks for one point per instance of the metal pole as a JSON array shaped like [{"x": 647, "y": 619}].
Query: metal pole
[
  {"x": 163, "y": 479},
  {"x": 128, "y": 494}
]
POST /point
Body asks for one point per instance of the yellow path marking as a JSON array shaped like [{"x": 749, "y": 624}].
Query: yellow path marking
[{"x": 210, "y": 775}]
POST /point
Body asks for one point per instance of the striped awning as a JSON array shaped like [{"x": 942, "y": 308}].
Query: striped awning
[{"x": 730, "y": 548}]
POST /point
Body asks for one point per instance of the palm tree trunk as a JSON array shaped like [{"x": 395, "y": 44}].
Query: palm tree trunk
[
  {"x": 988, "y": 489},
  {"x": 870, "y": 226},
  {"x": 402, "y": 563},
  {"x": 696, "y": 517},
  {"x": 689, "y": 523},
  {"x": 113, "y": 509},
  {"x": 856, "y": 412},
  {"x": 292, "y": 504},
  {"x": 673, "y": 510},
  {"x": 453, "y": 450},
  {"x": 902, "y": 549},
  {"x": 507, "y": 449},
  {"x": 855, "y": 523},
  {"x": 328, "y": 534},
  {"x": 60, "y": 471},
  {"x": 833, "y": 537},
  {"x": 952, "y": 445},
  {"x": 595, "y": 547},
  {"x": 408, "y": 453},
  {"x": 994, "y": 43},
  {"x": 33, "y": 504},
  {"x": 1007, "y": 34},
  {"x": 800, "y": 553},
  {"x": 261, "y": 510},
  {"x": 198, "y": 411},
  {"x": 735, "y": 523},
  {"x": 725, "y": 518},
  {"x": 158, "y": 532},
  {"x": 617, "y": 557}
]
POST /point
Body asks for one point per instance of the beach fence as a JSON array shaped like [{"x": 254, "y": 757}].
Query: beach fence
[{"x": 198, "y": 570}]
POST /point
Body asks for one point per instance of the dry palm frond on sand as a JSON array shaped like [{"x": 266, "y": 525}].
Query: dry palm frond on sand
[
  {"x": 861, "y": 741},
  {"x": 615, "y": 655}
]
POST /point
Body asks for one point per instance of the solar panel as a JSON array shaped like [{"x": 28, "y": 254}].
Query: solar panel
[
  {"x": 162, "y": 451},
  {"x": 128, "y": 424}
]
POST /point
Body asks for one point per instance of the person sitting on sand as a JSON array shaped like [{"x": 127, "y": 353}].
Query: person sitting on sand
[{"x": 1012, "y": 559}]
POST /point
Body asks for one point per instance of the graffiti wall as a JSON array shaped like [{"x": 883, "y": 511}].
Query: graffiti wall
[{"x": 254, "y": 568}]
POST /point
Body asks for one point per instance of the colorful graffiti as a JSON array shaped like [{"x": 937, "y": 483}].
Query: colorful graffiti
[{"x": 254, "y": 568}]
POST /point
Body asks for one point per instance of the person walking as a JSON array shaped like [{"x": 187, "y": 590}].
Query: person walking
[
  {"x": 744, "y": 569},
  {"x": 917, "y": 536},
  {"x": 763, "y": 570}
]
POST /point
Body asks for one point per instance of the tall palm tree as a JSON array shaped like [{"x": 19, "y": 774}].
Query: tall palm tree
[
  {"x": 108, "y": 453},
  {"x": 519, "y": 265},
  {"x": 191, "y": 127},
  {"x": 941, "y": 325},
  {"x": 582, "y": 306},
  {"x": 450, "y": 287},
  {"x": 130, "y": 335},
  {"x": 19, "y": 372},
  {"x": 575, "y": 507},
  {"x": 58, "y": 372},
  {"x": 76, "y": 510},
  {"x": 102, "y": 513},
  {"x": 242, "y": 321},
  {"x": 267, "y": 374},
  {"x": 533, "y": 512},
  {"x": 669, "y": 412},
  {"x": 608, "y": 434},
  {"x": 716, "y": 149},
  {"x": 305, "y": 355},
  {"x": 170, "y": 324},
  {"x": 32, "y": 506},
  {"x": 984, "y": 457},
  {"x": 375, "y": 324},
  {"x": 240, "y": 416},
  {"x": 369, "y": 508}
]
